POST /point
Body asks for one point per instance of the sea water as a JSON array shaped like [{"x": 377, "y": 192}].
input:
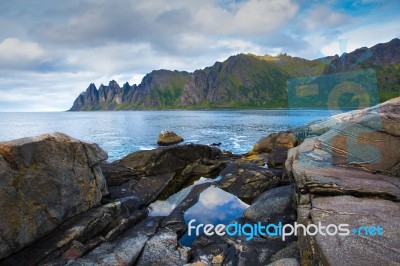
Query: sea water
[{"x": 123, "y": 132}]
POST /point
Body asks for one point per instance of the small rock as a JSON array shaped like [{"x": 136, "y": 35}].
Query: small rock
[
  {"x": 273, "y": 206},
  {"x": 257, "y": 159},
  {"x": 167, "y": 137},
  {"x": 218, "y": 259}
]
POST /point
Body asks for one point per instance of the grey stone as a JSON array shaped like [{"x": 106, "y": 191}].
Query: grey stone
[
  {"x": 164, "y": 249},
  {"x": 248, "y": 181},
  {"x": 273, "y": 206},
  {"x": 44, "y": 181}
]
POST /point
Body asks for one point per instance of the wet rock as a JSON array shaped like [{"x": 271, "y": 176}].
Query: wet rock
[
  {"x": 142, "y": 192},
  {"x": 257, "y": 159},
  {"x": 123, "y": 251},
  {"x": 248, "y": 181},
  {"x": 276, "y": 146},
  {"x": 118, "y": 226},
  {"x": 273, "y": 206},
  {"x": 204, "y": 249},
  {"x": 282, "y": 139},
  {"x": 203, "y": 168},
  {"x": 165, "y": 160},
  {"x": 277, "y": 157},
  {"x": 159, "y": 173},
  {"x": 168, "y": 138},
  {"x": 44, "y": 181},
  {"x": 164, "y": 249},
  {"x": 176, "y": 220},
  {"x": 82, "y": 228}
]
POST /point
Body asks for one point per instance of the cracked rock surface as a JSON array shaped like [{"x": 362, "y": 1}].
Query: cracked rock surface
[
  {"x": 350, "y": 175},
  {"x": 44, "y": 181}
]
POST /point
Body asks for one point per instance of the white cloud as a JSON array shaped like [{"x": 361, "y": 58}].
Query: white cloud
[
  {"x": 251, "y": 17},
  {"x": 320, "y": 17},
  {"x": 15, "y": 53},
  {"x": 213, "y": 197},
  {"x": 361, "y": 37},
  {"x": 54, "y": 50},
  {"x": 31, "y": 91},
  {"x": 261, "y": 16}
]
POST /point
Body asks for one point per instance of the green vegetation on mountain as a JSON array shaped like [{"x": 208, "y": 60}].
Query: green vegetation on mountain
[{"x": 251, "y": 81}]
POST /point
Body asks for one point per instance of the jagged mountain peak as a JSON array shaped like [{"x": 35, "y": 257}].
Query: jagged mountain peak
[{"x": 241, "y": 81}]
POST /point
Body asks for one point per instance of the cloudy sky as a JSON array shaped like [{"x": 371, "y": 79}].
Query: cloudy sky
[{"x": 51, "y": 50}]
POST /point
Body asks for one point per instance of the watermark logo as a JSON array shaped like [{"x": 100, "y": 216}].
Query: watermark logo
[
  {"x": 346, "y": 85},
  {"x": 280, "y": 230}
]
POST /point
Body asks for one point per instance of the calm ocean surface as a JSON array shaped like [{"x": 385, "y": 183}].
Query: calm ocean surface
[{"x": 120, "y": 133}]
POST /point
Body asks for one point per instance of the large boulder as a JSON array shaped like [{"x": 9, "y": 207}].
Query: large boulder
[
  {"x": 276, "y": 145},
  {"x": 348, "y": 173},
  {"x": 167, "y": 137},
  {"x": 164, "y": 160},
  {"x": 146, "y": 176},
  {"x": 280, "y": 139},
  {"x": 44, "y": 181}
]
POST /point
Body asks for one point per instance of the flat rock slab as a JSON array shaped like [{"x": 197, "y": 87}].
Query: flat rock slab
[
  {"x": 319, "y": 178},
  {"x": 354, "y": 249}
]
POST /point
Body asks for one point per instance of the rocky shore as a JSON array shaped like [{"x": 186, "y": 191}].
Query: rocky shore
[{"x": 63, "y": 204}]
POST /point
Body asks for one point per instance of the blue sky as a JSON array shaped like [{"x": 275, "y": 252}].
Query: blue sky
[{"x": 50, "y": 51}]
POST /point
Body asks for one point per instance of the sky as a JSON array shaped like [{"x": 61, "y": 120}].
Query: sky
[{"x": 50, "y": 51}]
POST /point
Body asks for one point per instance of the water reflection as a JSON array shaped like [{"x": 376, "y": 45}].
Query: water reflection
[
  {"x": 165, "y": 207},
  {"x": 215, "y": 206}
]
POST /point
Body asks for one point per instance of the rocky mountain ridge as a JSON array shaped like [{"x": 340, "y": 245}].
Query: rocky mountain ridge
[{"x": 242, "y": 81}]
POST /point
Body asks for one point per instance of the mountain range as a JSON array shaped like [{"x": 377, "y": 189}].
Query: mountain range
[{"x": 251, "y": 81}]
